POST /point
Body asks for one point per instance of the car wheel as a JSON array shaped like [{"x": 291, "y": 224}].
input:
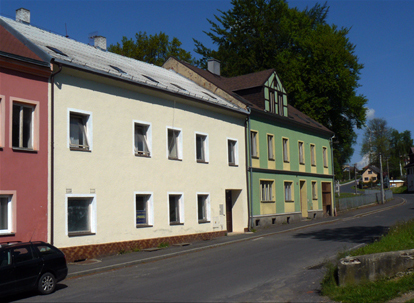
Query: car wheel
[{"x": 47, "y": 283}]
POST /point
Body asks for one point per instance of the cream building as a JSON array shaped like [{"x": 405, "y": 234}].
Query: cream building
[{"x": 139, "y": 154}]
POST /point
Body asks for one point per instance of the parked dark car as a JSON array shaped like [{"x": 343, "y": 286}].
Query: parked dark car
[{"x": 30, "y": 265}]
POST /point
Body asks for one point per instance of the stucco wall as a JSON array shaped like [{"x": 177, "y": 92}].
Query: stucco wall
[{"x": 111, "y": 172}]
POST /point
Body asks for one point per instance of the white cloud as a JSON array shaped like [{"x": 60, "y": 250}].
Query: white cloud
[
  {"x": 364, "y": 161},
  {"x": 370, "y": 113}
]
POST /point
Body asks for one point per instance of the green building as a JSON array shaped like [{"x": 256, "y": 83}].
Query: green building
[{"x": 290, "y": 171}]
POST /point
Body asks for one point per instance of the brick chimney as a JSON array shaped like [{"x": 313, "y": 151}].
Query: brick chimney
[
  {"x": 213, "y": 66},
  {"x": 23, "y": 15},
  {"x": 100, "y": 42}
]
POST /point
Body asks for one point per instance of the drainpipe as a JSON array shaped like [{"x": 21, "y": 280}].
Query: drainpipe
[
  {"x": 249, "y": 173},
  {"x": 52, "y": 143},
  {"x": 333, "y": 177}
]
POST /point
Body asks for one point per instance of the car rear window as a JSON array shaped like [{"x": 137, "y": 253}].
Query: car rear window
[{"x": 46, "y": 250}]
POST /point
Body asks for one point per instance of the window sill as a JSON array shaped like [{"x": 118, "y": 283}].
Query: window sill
[
  {"x": 286, "y": 161},
  {"x": 176, "y": 223},
  {"x": 79, "y": 234},
  {"x": 271, "y": 159},
  {"x": 22, "y": 149},
  {"x": 80, "y": 149},
  {"x": 302, "y": 163},
  {"x": 203, "y": 221},
  {"x": 202, "y": 161},
  {"x": 255, "y": 157},
  {"x": 289, "y": 201},
  {"x": 268, "y": 201},
  {"x": 175, "y": 159},
  {"x": 142, "y": 155},
  {"x": 7, "y": 234},
  {"x": 143, "y": 225},
  {"x": 234, "y": 165},
  {"x": 313, "y": 165}
]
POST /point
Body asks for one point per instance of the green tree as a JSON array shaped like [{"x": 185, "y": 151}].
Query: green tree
[
  {"x": 400, "y": 144},
  {"x": 154, "y": 49},
  {"x": 376, "y": 141},
  {"x": 316, "y": 61}
]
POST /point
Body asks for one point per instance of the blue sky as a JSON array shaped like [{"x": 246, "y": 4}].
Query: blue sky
[{"x": 383, "y": 32}]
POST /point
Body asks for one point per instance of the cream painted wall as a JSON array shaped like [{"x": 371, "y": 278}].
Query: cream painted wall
[{"x": 111, "y": 173}]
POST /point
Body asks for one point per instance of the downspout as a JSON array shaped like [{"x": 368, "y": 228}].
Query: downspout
[
  {"x": 333, "y": 177},
  {"x": 249, "y": 173},
  {"x": 52, "y": 143}
]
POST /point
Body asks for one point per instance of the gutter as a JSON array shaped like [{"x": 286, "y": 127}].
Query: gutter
[{"x": 52, "y": 152}]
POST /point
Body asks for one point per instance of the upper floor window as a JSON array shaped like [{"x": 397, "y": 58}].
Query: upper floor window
[
  {"x": 232, "y": 151},
  {"x": 174, "y": 144},
  {"x": 313, "y": 155},
  {"x": 142, "y": 139},
  {"x": 2, "y": 121},
  {"x": 202, "y": 148},
  {"x": 270, "y": 147},
  {"x": 80, "y": 130},
  {"x": 301, "y": 153},
  {"x": 325, "y": 157},
  {"x": 23, "y": 128},
  {"x": 285, "y": 150},
  {"x": 254, "y": 144}
]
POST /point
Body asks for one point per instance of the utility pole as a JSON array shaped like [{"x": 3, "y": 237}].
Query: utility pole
[
  {"x": 382, "y": 181},
  {"x": 349, "y": 170},
  {"x": 356, "y": 185},
  {"x": 388, "y": 175}
]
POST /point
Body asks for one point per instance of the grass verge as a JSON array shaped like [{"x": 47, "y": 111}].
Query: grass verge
[{"x": 399, "y": 237}]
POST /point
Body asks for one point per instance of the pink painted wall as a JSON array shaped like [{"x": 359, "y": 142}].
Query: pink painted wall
[{"x": 26, "y": 173}]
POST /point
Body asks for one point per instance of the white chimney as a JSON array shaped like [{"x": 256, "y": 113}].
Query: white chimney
[
  {"x": 213, "y": 66},
  {"x": 23, "y": 15},
  {"x": 100, "y": 42}
]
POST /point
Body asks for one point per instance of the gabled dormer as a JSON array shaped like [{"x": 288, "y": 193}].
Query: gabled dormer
[{"x": 275, "y": 96}]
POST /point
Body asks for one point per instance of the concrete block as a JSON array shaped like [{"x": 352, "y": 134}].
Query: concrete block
[{"x": 353, "y": 270}]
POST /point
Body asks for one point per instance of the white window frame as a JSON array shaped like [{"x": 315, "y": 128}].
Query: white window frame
[
  {"x": 148, "y": 138},
  {"x": 206, "y": 147},
  {"x": 2, "y": 120},
  {"x": 93, "y": 215},
  {"x": 179, "y": 143},
  {"x": 235, "y": 152},
  {"x": 88, "y": 125},
  {"x": 181, "y": 217},
  {"x": 34, "y": 124},
  {"x": 288, "y": 191},
  {"x": 266, "y": 191},
  {"x": 285, "y": 148},
  {"x": 254, "y": 144},
  {"x": 10, "y": 202},
  {"x": 207, "y": 207},
  {"x": 150, "y": 208}
]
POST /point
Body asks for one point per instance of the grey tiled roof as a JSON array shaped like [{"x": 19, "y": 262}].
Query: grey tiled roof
[{"x": 90, "y": 58}]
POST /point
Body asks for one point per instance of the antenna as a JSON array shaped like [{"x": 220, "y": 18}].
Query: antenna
[{"x": 91, "y": 37}]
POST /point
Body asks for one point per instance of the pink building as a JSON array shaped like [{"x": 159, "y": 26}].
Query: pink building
[{"x": 23, "y": 141}]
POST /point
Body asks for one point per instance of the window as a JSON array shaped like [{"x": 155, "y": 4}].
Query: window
[
  {"x": 142, "y": 139},
  {"x": 288, "y": 191},
  {"x": 266, "y": 189},
  {"x": 5, "y": 214},
  {"x": 176, "y": 209},
  {"x": 22, "y": 131},
  {"x": 81, "y": 212},
  {"x": 270, "y": 147},
  {"x": 144, "y": 215},
  {"x": 314, "y": 191},
  {"x": 174, "y": 143},
  {"x": 365, "y": 178},
  {"x": 370, "y": 172},
  {"x": 5, "y": 258},
  {"x": 325, "y": 157},
  {"x": 285, "y": 150},
  {"x": 313, "y": 158},
  {"x": 202, "y": 148},
  {"x": 203, "y": 208},
  {"x": 232, "y": 152},
  {"x": 254, "y": 146},
  {"x": 80, "y": 130},
  {"x": 272, "y": 102},
  {"x": 2, "y": 121},
  {"x": 301, "y": 153},
  {"x": 22, "y": 254}
]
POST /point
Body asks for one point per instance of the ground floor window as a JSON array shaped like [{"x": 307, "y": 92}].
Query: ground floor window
[
  {"x": 143, "y": 210},
  {"x": 203, "y": 206},
  {"x": 266, "y": 191},
  {"x": 80, "y": 215},
  {"x": 5, "y": 214},
  {"x": 288, "y": 192},
  {"x": 176, "y": 208}
]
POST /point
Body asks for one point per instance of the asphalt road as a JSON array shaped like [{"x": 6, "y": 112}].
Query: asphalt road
[{"x": 278, "y": 268}]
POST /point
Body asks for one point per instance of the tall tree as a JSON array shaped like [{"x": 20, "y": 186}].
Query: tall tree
[
  {"x": 376, "y": 141},
  {"x": 400, "y": 144},
  {"x": 316, "y": 61},
  {"x": 154, "y": 49}
]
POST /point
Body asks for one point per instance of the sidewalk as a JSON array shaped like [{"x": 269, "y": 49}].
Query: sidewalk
[{"x": 132, "y": 258}]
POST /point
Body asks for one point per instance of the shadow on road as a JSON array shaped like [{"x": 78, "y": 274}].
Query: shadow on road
[{"x": 354, "y": 234}]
